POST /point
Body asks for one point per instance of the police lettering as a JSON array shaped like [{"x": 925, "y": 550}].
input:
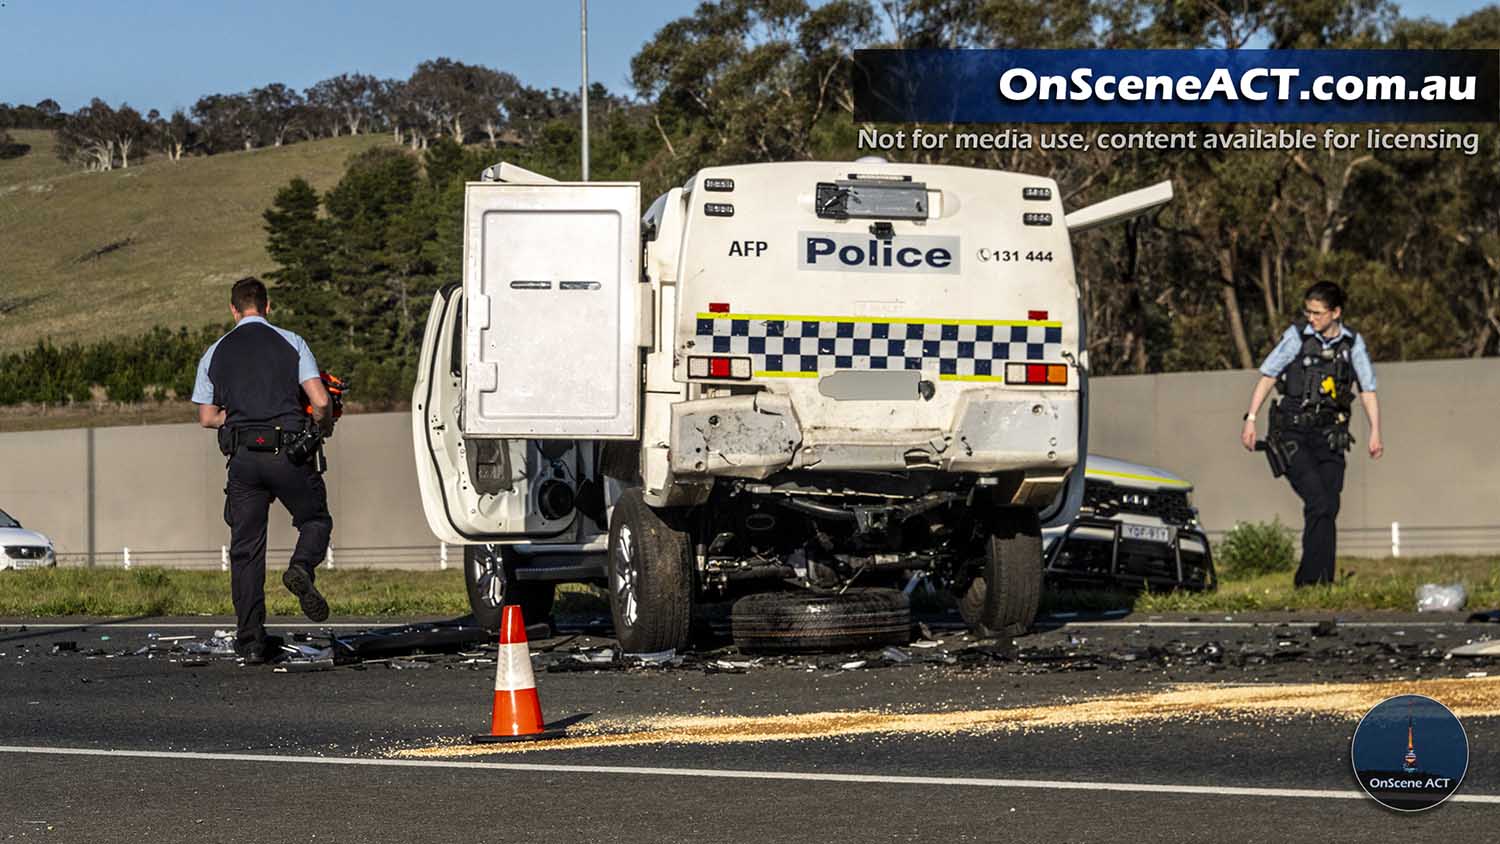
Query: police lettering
[
  {"x": 877, "y": 253},
  {"x": 746, "y": 248}
]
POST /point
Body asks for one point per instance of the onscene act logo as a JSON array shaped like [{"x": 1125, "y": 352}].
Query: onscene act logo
[{"x": 1410, "y": 753}]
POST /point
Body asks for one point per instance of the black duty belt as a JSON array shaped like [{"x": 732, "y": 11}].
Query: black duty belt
[
  {"x": 272, "y": 438},
  {"x": 1312, "y": 420}
]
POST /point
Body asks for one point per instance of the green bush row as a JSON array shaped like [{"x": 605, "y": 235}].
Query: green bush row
[{"x": 157, "y": 364}]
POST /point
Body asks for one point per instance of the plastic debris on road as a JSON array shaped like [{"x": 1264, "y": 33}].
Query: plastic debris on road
[
  {"x": 666, "y": 657},
  {"x": 1483, "y": 648},
  {"x": 1433, "y": 597},
  {"x": 221, "y": 644}
]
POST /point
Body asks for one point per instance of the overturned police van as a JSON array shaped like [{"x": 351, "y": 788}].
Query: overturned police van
[{"x": 812, "y": 376}]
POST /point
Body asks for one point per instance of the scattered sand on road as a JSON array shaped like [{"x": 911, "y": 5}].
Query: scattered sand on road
[{"x": 1466, "y": 697}]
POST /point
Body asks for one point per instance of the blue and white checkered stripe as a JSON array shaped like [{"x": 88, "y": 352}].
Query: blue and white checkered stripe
[{"x": 803, "y": 346}]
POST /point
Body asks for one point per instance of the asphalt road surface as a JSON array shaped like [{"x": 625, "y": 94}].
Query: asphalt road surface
[{"x": 1121, "y": 733}]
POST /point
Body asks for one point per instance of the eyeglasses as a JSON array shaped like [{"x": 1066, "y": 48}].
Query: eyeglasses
[{"x": 1307, "y": 312}]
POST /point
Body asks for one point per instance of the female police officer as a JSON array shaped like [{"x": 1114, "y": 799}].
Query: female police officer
[
  {"x": 1317, "y": 366},
  {"x": 250, "y": 385}
]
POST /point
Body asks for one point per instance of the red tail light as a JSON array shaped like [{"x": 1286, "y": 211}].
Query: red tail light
[{"x": 1051, "y": 374}]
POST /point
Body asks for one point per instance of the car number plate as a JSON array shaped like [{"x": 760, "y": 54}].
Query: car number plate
[{"x": 1146, "y": 533}]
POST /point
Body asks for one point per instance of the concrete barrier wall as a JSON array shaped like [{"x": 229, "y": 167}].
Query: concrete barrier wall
[
  {"x": 158, "y": 490},
  {"x": 44, "y": 484}
]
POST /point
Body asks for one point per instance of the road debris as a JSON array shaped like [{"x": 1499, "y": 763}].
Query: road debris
[
  {"x": 1258, "y": 650},
  {"x": 431, "y": 637},
  {"x": 1481, "y": 648},
  {"x": 1326, "y": 628},
  {"x": 1433, "y": 597},
  {"x": 666, "y": 657}
]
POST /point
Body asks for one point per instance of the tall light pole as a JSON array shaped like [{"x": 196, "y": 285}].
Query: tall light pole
[{"x": 583, "y": 34}]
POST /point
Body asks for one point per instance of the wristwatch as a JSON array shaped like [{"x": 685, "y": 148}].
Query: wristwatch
[{"x": 1249, "y": 417}]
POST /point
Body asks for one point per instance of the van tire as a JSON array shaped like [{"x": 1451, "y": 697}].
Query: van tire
[
  {"x": 1003, "y": 598},
  {"x": 490, "y": 580},
  {"x": 799, "y": 621},
  {"x": 650, "y": 576}
]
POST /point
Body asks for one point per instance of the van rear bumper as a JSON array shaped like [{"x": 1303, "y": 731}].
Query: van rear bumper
[{"x": 992, "y": 430}]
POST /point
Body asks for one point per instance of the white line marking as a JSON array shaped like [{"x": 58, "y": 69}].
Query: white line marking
[{"x": 976, "y": 782}]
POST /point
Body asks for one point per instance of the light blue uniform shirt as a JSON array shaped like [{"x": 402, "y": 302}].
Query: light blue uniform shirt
[
  {"x": 307, "y": 366},
  {"x": 1290, "y": 346}
]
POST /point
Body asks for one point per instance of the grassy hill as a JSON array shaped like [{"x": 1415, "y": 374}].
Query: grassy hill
[{"x": 84, "y": 256}]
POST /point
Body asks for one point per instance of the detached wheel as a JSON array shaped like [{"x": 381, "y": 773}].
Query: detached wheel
[
  {"x": 1003, "y": 598},
  {"x": 797, "y": 622},
  {"x": 490, "y": 578},
  {"x": 650, "y": 577}
]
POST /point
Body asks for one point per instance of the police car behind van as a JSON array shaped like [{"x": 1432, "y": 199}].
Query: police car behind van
[{"x": 1136, "y": 528}]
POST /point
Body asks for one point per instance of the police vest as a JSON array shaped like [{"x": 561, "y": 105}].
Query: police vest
[
  {"x": 254, "y": 373},
  {"x": 1318, "y": 385}
]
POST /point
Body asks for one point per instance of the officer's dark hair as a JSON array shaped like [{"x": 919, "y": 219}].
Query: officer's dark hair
[
  {"x": 249, "y": 294},
  {"x": 1330, "y": 294}
]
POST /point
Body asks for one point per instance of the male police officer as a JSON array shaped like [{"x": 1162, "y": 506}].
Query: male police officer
[
  {"x": 1318, "y": 364},
  {"x": 248, "y": 387}
]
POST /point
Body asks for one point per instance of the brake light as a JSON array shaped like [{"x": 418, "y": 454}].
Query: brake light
[
  {"x": 719, "y": 367},
  {"x": 1053, "y": 374}
]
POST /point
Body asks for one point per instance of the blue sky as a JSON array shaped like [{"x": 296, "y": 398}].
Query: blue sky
[{"x": 166, "y": 53}]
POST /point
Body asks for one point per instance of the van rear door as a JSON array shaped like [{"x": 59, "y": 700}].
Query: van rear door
[
  {"x": 534, "y": 359},
  {"x": 551, "y": 328},
  {"x": 476, "y": 490}
]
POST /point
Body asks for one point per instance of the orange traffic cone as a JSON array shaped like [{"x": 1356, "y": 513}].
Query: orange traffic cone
[{"x": 517, "y": 715}]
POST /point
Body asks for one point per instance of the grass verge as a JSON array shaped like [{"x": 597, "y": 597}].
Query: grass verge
[
  {"x": 158, "y": 591},
  {"x": 1362, "y": 584},
  {"x": 1373, "y": 584}
]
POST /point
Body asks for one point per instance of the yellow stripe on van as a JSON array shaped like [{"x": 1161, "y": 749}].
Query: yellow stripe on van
[
  {"x": 1005, "y": 323},
  {"x": 770, "y": 374},
  {"x": 990, "y": 378}
]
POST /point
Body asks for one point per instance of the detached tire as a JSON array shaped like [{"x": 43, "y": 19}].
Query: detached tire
[
  {"x": 650, "y": 578},
  {"x": 798, "y": 622},
  {"x": 1003, "y": 598},
  {"x": 490, "y": 579}
]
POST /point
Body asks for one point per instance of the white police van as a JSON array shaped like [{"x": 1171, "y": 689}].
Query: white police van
[{"x": 818, "y": 376}]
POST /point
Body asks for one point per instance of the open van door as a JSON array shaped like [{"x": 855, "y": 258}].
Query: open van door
[
  {"x": 531, "y": 362},
  {"x": 474, "y": 490}
]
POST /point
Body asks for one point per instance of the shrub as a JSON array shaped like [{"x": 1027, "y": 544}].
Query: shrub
[{"x": 1252, "y": 548}]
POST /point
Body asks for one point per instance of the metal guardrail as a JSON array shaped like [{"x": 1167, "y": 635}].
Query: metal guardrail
[
  {"x": 1408, "y": 540},
  {"x": 436, "y": 557},
  {"x": 1400, "y": 541}
]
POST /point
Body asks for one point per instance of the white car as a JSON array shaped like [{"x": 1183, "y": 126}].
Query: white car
[
  {"x": 21, "y": 548},
  {"x": 1136, "y": 527}
]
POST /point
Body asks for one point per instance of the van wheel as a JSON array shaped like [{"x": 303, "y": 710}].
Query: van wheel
[
  {"x": 490, "y": 578},
  {"x": 1002, "y": 600},
  {"x": 801, "y": 622},
  {"x": 650, "y": 577}
]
